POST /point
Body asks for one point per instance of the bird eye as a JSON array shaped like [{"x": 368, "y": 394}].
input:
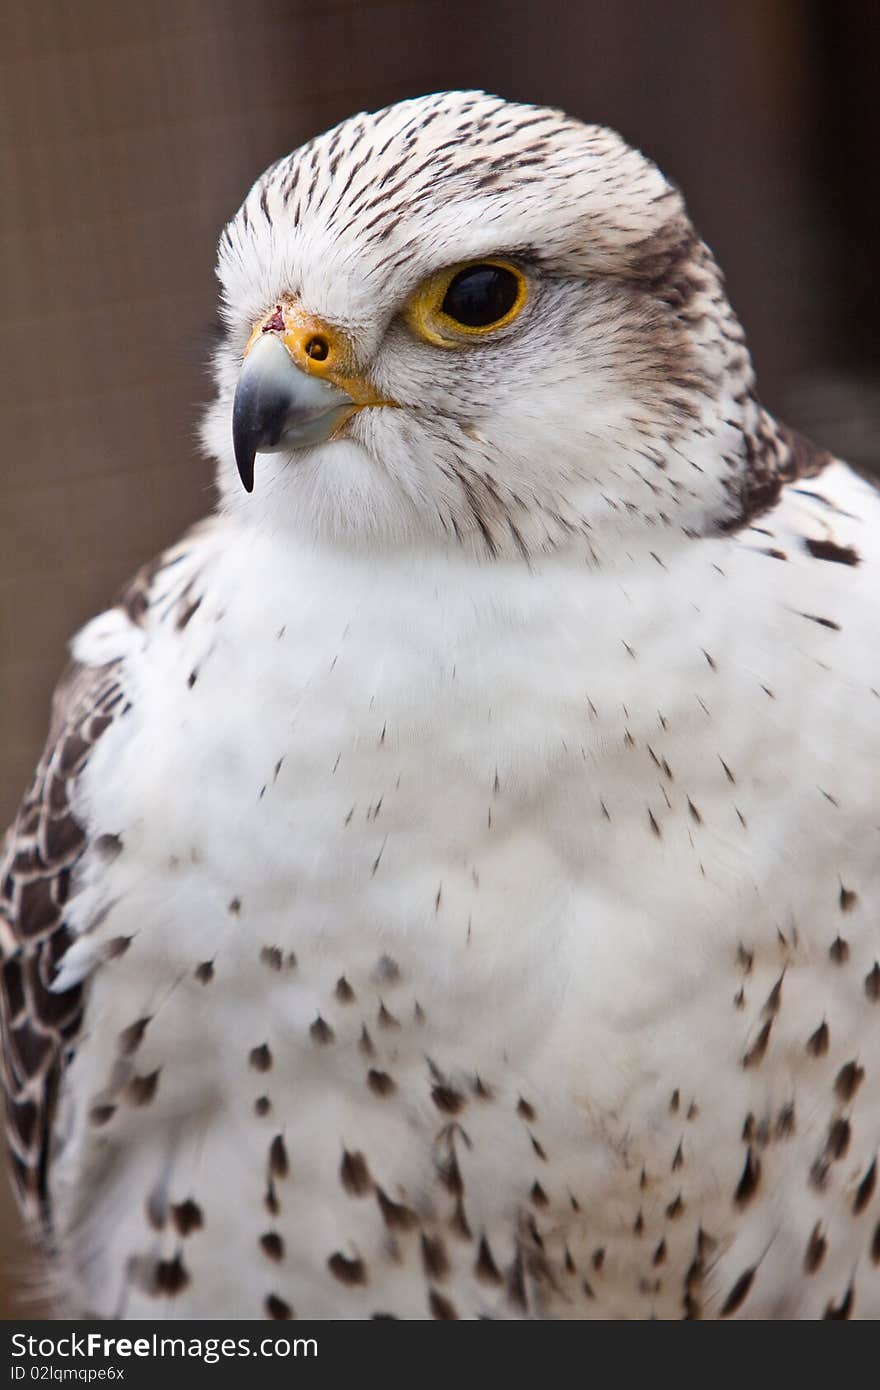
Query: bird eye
[
  {"x": 466, "y": 301},
  {"x": 481, "y": 295}
]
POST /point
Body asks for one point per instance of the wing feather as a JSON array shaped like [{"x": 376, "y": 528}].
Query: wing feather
[
  {"x": 40, "y": 854},
  {"x": 41, "y": 851}
]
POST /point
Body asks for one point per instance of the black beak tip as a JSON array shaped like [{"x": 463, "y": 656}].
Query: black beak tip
[
  {"x": 244, "y": 458},
  {"x": 245, "y": 442},
  {"x": 258, "y": 417}
]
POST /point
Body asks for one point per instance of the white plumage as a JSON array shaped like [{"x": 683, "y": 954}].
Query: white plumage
[{"x": 476, "y": 883}]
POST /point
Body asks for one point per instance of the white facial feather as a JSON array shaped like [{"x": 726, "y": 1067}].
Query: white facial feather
[{"x": 621, "y": 391}]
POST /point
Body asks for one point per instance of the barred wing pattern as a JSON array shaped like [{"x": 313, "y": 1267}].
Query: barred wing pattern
[
  {"x": 40, "y": 855},
  {"x": 42, "y": 850}
]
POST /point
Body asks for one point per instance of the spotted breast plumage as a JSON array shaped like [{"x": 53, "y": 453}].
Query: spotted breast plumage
[{"x": 450, "y": 888}]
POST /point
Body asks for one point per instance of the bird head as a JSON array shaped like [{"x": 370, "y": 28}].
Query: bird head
[{"x": 473, "y": 323}]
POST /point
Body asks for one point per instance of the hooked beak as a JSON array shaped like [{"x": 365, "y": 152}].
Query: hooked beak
[
  {"x": 278, "y": 406},
  {"x": 298, "y": 386}
]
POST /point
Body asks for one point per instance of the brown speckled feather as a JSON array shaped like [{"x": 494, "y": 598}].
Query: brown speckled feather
[{"x": 41, "y": 853}]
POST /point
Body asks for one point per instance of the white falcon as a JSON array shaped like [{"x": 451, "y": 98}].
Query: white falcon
[{"x": 451, "y": 885}]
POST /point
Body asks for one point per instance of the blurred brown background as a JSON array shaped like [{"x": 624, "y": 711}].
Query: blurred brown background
[{"x": 129, "y": 134}]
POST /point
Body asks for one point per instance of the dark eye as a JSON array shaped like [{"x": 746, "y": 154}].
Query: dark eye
[
  {"x": 480, "y": 295},
  {"x": 463, "y": 302}
]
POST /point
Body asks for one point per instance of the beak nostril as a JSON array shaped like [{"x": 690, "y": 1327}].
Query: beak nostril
[
  {"x": 317, "y": 348},
  {"x": 280, "y": 405}
]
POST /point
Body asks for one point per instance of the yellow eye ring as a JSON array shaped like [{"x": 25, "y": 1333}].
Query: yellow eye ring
[{"x": 490, "y": 301}]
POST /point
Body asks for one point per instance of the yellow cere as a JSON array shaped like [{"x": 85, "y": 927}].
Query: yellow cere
[{"x": 318, "y": 349}]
